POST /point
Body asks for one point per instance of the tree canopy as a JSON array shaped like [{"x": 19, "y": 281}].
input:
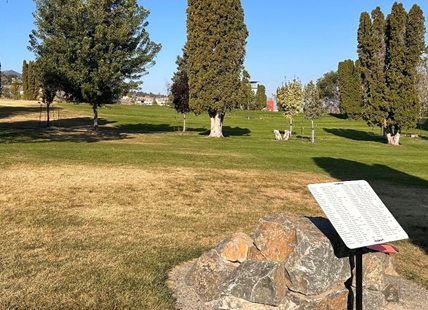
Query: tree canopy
[
  {"x": 329, "y": 91},
  {"x": 289, "y": 98},
  {"x": 94, "y": 50},
  {"x": 216, "y": 40}
]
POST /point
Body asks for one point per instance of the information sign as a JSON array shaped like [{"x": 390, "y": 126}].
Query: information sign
[{"x": 357, "y": 213}]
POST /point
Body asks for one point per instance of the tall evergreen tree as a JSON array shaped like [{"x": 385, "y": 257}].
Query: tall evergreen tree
[
  {"x": 422, "y": 86},
  {"x": 95, "y": 50},
  {"x": 350, "y": 89},
  {"x": 261, "y": 98},
  {"x": 32, "y": 82},
  {"x": 246, "y": 101},
  {"x": 216, "y": 40},
  {"x": 289, "y": 98},
  {"x": 389, "y": 52},
  {"x": 376, "y": 103},
  {"x": 180, "y": 89},
  {"x": 24, "y": 78}
]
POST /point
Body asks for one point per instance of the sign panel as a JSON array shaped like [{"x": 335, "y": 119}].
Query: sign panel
[{"x": 357, "y": 213}]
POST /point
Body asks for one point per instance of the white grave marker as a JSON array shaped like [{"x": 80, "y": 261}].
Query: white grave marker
[{"x": 357, "y": 213}]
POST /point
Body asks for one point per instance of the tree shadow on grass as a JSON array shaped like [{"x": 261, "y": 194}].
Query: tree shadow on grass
[
  {"x": 356, "y": 135},
  {"x": 403, "y": 194},
  {"x": 58, "y": 135},
  {"x": 78, "y": 129},
  {"x": 64, "y": 123},
  {"x": 152, "y": 128},
  {"x": 7, "y": 111},
  {"x": 339, "y": 116}
]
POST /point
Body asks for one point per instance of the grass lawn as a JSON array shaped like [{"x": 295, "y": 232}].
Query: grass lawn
[{"x": 96, "y": 221}]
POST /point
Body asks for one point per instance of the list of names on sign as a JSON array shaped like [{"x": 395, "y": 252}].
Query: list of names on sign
[{"x": 357, "y": 213}]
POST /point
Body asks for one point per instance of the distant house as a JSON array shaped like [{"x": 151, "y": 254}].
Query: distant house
[{"x": 254, "y": 85}]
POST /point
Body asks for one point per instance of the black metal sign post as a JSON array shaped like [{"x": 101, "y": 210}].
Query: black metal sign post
[
  {"x": 360, "y": 218},
  {"x": 359, "y": 279}
]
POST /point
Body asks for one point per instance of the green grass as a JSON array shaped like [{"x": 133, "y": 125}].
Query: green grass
[
  {"x": 348, "y": 149},
  {"x": 96, "y": 221}
]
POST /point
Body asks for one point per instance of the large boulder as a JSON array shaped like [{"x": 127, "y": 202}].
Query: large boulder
[{"x": 290, "y": 262}]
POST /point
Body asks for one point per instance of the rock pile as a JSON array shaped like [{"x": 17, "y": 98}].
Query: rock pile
[{"x": 290, "y": 262}]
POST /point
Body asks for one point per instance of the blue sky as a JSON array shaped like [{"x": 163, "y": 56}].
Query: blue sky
[{"x": 304, "y": 38}]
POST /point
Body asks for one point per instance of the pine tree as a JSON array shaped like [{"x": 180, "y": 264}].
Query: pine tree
[
  {"x": 24, "y": 78},
  {"x": 94, "y": 50},
  {"x": 216, "y": 40},
  {"x": 350, "y": 89}
]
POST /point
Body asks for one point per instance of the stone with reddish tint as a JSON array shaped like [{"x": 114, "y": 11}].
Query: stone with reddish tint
[
  {"x": 275, "y": 237},
  {"x": 235, "y": 248}
]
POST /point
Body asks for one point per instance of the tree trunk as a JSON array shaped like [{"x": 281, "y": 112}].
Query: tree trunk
[
  {"x": 312, "y": 131},
  {"x": 291, "y": 126},
  {"x": 48, "y": 114},
  {"x": 184, "y": 122},
  {"x": 216, "y": 124},
  {"x": 95, "y": 109}
]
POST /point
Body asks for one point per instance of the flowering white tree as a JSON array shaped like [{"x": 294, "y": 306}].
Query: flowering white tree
[{"x": 289, "y": 98}]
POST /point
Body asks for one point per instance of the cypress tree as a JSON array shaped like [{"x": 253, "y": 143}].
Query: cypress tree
[
  {"x": 415, "y": 45},
  {"x": 350, "y": 89},
  {"x": 261, "y": 98},
  {"x": 247, "y": 95},
  {"x": 216, "y": 40},
  {"x": 363, "y": 49},
  {"x": 376, "y": 104},
  {"x": 24, "y": 78},
  {"x": 389, "y": 53},
  {"x": 32, "y": 87}
]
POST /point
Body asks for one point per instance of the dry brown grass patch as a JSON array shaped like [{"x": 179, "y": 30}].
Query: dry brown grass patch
[{"x": 98, "y": 223}]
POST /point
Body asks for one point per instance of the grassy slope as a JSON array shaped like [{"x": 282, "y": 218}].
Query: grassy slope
[{"x": 100, "y": 219}]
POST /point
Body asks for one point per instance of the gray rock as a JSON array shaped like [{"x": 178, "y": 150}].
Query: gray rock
[
  {"x": 207, "y": 275},
  {"x": 260, "y": 282}
]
